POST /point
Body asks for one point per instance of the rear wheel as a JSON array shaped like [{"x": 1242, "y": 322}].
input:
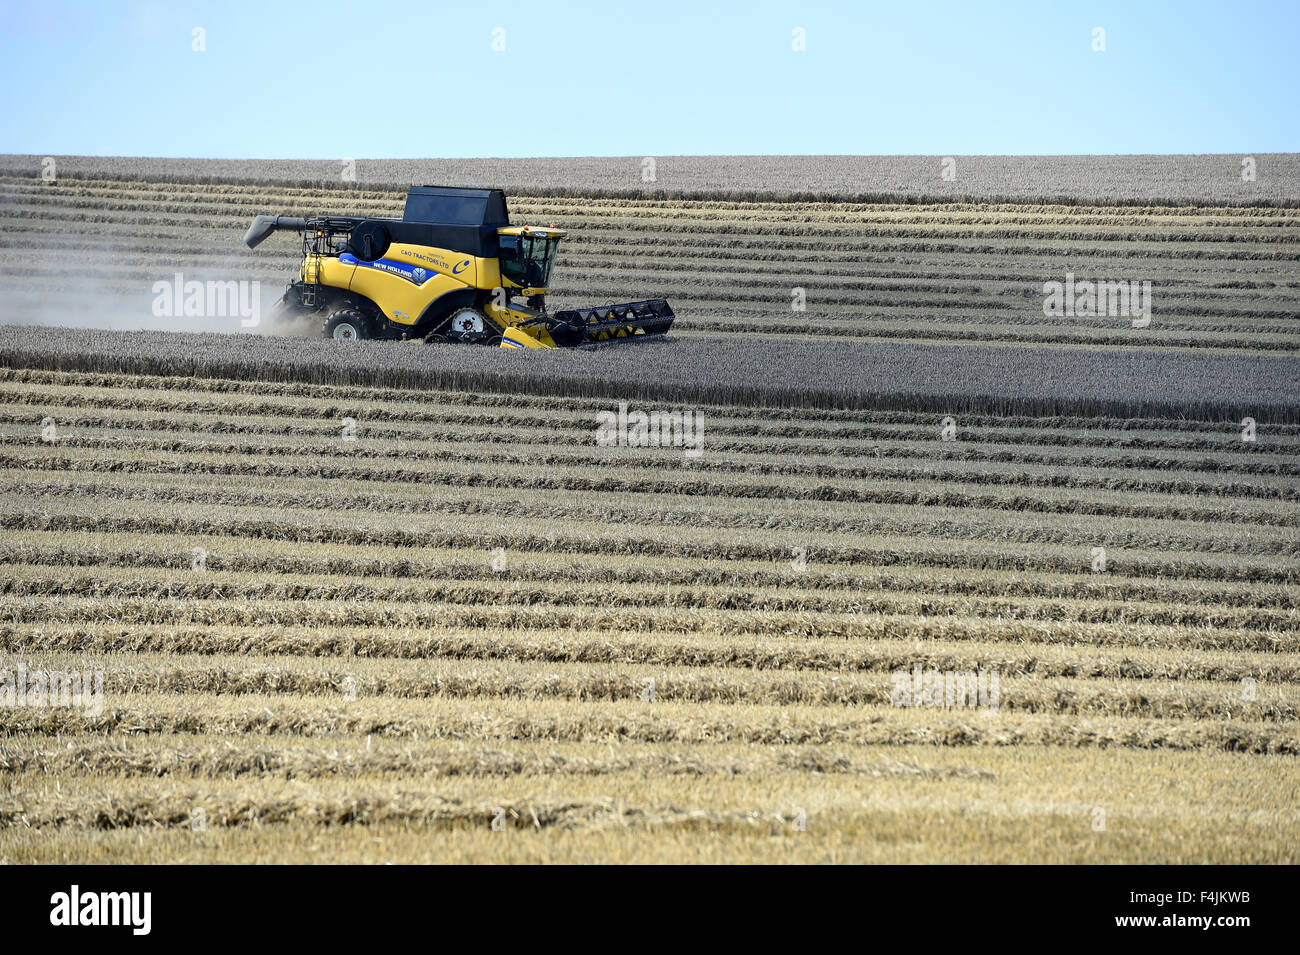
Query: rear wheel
[{"x": 347, "y": 324}]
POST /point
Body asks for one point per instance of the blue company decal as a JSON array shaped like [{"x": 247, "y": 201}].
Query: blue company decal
[
  {"x": 457, "y": 269},
  {"x": 414, "y": 274}
]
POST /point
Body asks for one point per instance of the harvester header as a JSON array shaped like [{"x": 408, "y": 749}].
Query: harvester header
[{"x": 452, "y": 268}]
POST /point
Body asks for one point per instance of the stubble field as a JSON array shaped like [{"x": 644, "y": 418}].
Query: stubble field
[{"x": 460, "y": 630}]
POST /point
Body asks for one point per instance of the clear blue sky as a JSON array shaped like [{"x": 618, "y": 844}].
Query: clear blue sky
[{"x": 656, "y": 77}]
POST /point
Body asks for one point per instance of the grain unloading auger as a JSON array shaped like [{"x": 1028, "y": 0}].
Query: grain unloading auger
[{"x": 452, "y": 268}]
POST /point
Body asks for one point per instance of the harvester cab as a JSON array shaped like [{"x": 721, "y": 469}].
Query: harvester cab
[{"x": 452, "y": 268}]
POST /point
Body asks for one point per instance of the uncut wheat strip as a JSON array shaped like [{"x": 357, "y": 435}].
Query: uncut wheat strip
[
  {"x": 300, "y": 399},
  {"x": 422, "y": 599},
  {"x": 1012, "y": 320},
  {"x": 839, "y": 311},
  {"x": 1225, "y": 340},
  {"x": 1047, "y": 380},
  {"x": 1281, "y": 345},
  {"x": 125, "y": 677},
  {"x": 874, "y": 543},
  {"x": 453, "y": 718},
  {"x": 90, "y": 548},
  {"x": 829, "y": 310},
  {"x": 1084, "y": 652},
  {"x": 440, "y": 475},
  {"x": 1222, "y": 339},
  {"x": 718, "y": 317}
]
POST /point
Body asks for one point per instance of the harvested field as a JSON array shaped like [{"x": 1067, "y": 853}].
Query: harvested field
[
  {"x": 388, "y": 602},
  {"x": 472, "y": 634},
  {"x": 918, "y": 378}
]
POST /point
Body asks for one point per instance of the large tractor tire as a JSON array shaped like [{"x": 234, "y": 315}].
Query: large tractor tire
[{"x": 347, "y": 324}]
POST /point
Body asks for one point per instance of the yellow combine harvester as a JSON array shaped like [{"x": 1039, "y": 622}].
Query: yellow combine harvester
[{"x": 451, "y": 269}]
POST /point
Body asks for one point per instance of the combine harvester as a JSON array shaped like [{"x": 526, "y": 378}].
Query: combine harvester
[{"x": 451, "y": 269}]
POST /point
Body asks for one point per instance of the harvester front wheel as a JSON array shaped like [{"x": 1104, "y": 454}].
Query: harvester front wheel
[{"x": 347, "y": 324}]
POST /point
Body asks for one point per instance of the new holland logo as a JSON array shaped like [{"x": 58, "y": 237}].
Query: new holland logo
[{"x": 413, "y": 274}]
